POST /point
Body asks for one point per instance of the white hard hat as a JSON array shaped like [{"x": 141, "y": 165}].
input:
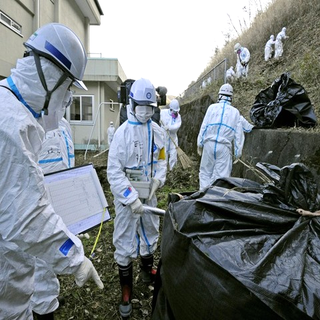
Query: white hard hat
[
  {"x": 174, "y": 105},
  {"x": 272, "y": 37},
  {"x": 143, "y": 93},
  {"x": 237, "y": 46},
  {"x": 60, "y": 45},
  {"x": 226, "y": 90},
  {"x": 111, "y": 122}
]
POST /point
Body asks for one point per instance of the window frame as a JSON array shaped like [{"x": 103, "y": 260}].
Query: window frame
[
  {"x": 12, "y": 25},
  {"x": 82, "y": 122}
]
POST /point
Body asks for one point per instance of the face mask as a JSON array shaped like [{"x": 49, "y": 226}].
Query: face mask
[
  {"x": 67, "y": 100},
  {"x": 51, "y": 121},
  {"x": 144, "y": 113}
]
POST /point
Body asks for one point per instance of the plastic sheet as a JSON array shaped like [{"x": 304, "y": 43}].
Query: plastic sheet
[
  {"x": 284, "y": 104},
  {"x": 228, "y": 254}
]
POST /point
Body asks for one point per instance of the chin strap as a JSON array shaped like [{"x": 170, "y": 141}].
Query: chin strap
[{"x": 44, "y": 83}]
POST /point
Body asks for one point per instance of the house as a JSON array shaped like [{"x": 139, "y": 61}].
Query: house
[{"x": 92, "y": 110}]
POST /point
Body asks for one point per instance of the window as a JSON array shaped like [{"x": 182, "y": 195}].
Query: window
[
  {"x": 10, "y": 23},
  {"x": 82, "y": 109}
]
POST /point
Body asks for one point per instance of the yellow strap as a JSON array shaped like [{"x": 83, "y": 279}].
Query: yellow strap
[{"x": 98, "y": 235}]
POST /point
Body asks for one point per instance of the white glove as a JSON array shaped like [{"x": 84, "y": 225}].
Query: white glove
[
  {"x": 199, "y": 150},
  {"x": 137, "y": 207},
  {"x": 155, "y": 183},
  {"x": 85, "y": 272}
]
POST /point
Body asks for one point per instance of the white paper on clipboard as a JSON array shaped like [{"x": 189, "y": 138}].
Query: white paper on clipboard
[{"x": 77, "y": 196}]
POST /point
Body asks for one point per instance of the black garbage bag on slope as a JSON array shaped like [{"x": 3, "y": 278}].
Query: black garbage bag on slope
[
  {"x": 227, "y": 254},
  {"x": 284, "y": 104}
]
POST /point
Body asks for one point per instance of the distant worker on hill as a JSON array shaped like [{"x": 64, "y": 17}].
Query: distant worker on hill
[
  {"x": 230, "y": 75},
  {"x": 220, "y": 128},
  {"x": 243, "y": 58},
  {"x": 111, "y": 131},
  {"x": 278, "y": 46},
  {"x": 171, "y": 122},
  {"x": 269, "y": 48}
]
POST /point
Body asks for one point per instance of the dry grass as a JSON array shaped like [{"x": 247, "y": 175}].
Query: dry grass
[{"x": 300, "y": 58}]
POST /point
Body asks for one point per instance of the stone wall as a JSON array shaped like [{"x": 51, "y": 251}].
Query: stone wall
[{"x": 280, "y": 147}]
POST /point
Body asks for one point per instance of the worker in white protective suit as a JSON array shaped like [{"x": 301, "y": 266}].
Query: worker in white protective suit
[
  {"x": 269, "y": 48},
  {"x": 171, "y": 123},
  {"x": 243, "y": 58},
  {"x": 278, "y": 46},
  {"x": 230, "y": 75},
  {"x": 136, "y": 169},
  {"x": 220, "y": 128},
  {"x": 57, "y": 152},
  {"x": 110, "y": 133},
  {"x": 32, "y": 102}
]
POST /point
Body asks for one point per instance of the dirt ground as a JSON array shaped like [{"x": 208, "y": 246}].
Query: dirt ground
[{"x": 89, "y": 302}]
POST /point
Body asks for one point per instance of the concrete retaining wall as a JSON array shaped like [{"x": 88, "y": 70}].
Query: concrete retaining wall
[{"x": 280, "y": 147}]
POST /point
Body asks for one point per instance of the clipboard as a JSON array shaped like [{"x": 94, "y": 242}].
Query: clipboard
[{"x": 77, "y": 196}]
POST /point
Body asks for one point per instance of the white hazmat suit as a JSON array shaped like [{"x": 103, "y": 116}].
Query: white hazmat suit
[
  {"x": 220, "y": 128},
  {"x": 136, "y": 168},
  {"x": 28, "y": 222},
  {"x": 111, "y": 130},
  {"x": 230, "y": 74},
  {"x": 268, "y": 49},
  {"x": 57, "y": 152},
  {"x": 133, "y": 150},
  {"x": 171, "y": 124},
  {"x": 243, "y": 58},
  {"x": 278, "y": 46},
  {"x": 29, "y": 226}
]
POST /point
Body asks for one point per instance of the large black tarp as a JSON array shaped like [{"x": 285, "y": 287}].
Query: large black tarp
[
  {"x": 239, "y": 251},
  {"x": 284, "y": 104}
]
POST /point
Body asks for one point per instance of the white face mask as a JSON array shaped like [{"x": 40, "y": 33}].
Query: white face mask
[
  {"x": 144, "y": 113},
  {"x": 51, "y": 121}
]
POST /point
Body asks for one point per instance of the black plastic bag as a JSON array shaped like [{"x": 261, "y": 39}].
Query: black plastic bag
[
  {"x": 284, "y": 104},
  {"x": 227, "y": 254},
  {"x": 294, "y": 187}
]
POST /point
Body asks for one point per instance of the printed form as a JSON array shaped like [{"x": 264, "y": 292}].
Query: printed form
[{"x": 77, "y": 196}]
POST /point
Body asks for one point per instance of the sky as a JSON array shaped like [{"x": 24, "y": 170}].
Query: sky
[{"x": 169, "y": 42}]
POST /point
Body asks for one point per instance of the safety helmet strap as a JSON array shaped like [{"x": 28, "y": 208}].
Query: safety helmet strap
[{"x": 44, "y": 83}]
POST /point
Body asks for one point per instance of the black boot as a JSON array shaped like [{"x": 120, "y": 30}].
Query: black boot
[
  {"x": 125, "y": 273},
  {"x": 48, "y": 316},
  {"x": 147, "y": 272}
]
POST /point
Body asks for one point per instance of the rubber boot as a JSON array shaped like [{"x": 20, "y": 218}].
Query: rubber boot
[
  {"x": 48, "y": 316},
  {"x": 147, "y": 272},
  {"x": 125, "y": 273}
]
